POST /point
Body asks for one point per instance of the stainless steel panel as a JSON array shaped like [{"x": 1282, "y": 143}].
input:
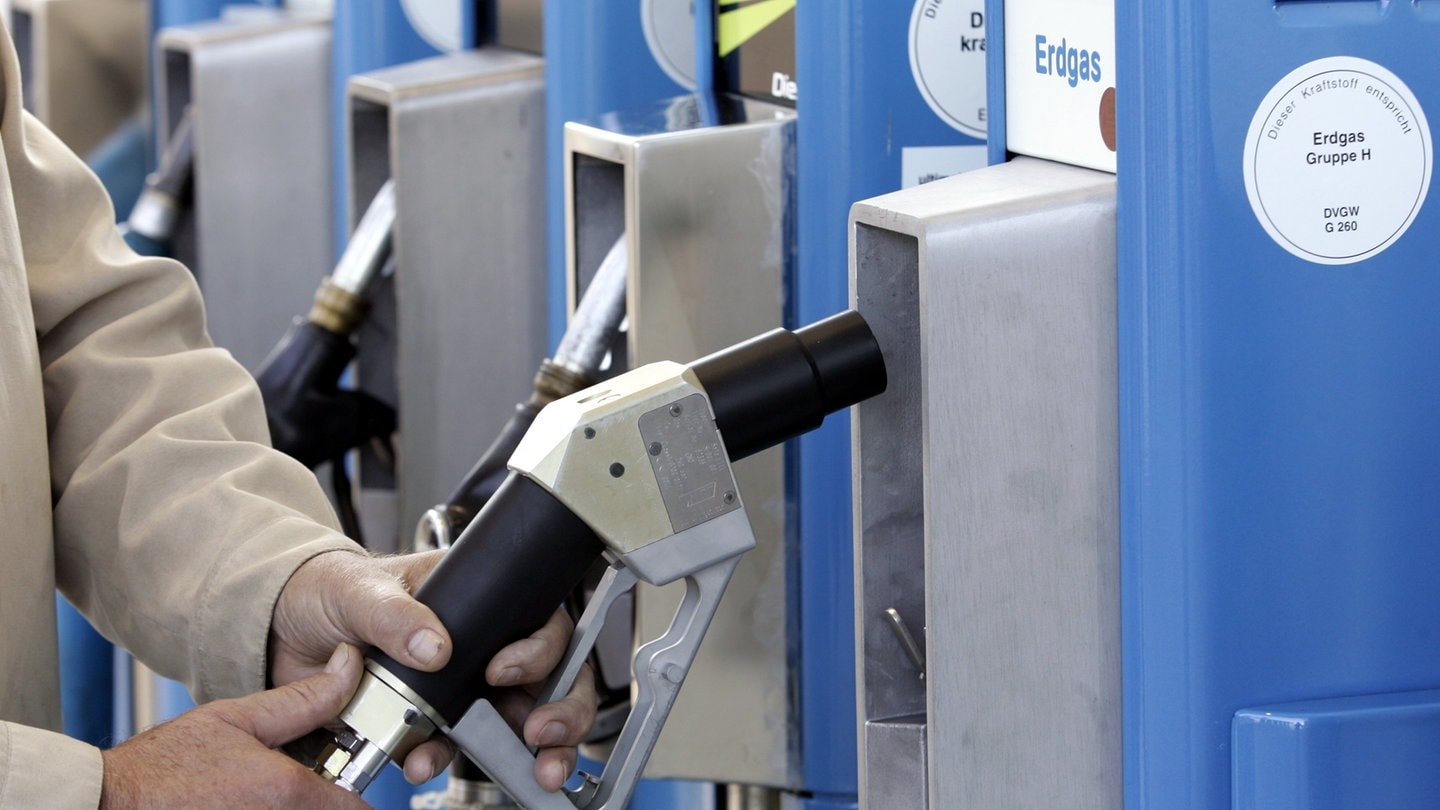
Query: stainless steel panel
[
  {"x": 262, "y": 234},
  {"x": 988, "y": 488},
  {"x": 896, "y": 764},
  {"x": 705, "y": 208},
  {"x": 83, "y": 63},
  {"x": 520, "y": 24},
  {"x": 462, "y": 136}
]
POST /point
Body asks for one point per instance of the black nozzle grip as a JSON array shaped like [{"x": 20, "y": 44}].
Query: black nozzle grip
[
  {"x": 311, "y": 419},
  {"x": 780, "y": 384},
  {"x": 511, "y": 568}
]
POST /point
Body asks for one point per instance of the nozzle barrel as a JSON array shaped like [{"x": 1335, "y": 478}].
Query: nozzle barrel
[{"x": 780, "y": 384}]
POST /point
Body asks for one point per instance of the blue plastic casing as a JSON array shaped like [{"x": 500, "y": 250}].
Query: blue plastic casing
[
  {"x": 167, "y": 13},
  {"x": 1280, "y": 446},
  {"x": 1367, "y": 751}
]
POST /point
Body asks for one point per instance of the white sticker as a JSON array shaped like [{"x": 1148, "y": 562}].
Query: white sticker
[
  {"x": 669, "y": 27},
  {"x": 947, "y": 58},
  {"x": 438, "y": 22},
  {"x": 924, "y": 164},
  {"x": 1337, "y": 160}
]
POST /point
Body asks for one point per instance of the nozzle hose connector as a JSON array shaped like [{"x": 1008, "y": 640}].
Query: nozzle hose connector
[{"x": 384, "y": 722}]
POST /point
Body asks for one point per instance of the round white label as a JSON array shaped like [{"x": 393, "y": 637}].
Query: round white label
[
  {"x": 438, "y": 22},
  {"x": 669, "y": 27},
  {"x": 947, "y": 58},
  {"x": 1337, "y": 160}
]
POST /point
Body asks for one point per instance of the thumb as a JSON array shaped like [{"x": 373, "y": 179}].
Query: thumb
[
  {"x": 383, "y": 612},
  {"x": 278, "y": 716}
]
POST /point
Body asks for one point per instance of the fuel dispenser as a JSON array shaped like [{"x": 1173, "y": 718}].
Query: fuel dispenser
[
  {"x": 457, "y": 139},
  {"x": 603, "y": 56},
  {"x": 82, "y": 65},
  {"x": 894, "y": 139},
  {"x": 469, "y": 239},
  {"x": 256, "y": 235},
  {"x": 1227, "y": 513},
  {"x": 987, "y": 546},
  {"x": 700, "y": 278},
  {"x": 1278, "y": 442},
  {"x": 987, "y": 551},
  {"x": 890, "y": 96}
]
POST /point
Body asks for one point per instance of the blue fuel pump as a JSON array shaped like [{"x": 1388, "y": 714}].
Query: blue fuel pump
[
  {"x": 1277, "y": 382},
  {"x": 889, "y": 96},
  {"x": 1278, "y": 450}
]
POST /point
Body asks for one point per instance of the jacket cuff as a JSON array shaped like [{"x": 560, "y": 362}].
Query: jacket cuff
[
  {"x": 238, "y": 603},
  {"x": 44, "y": 769}
]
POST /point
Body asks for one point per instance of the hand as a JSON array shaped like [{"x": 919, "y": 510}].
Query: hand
[
  {"x": 343, "y": 597},
  {"x": 220, "y": 754},
  {"x": 556, "y": 729}
]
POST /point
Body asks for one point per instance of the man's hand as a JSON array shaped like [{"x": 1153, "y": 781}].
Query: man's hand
[
  {"x": 341, "y": 597},
  {"x": 220, "y": 754}
]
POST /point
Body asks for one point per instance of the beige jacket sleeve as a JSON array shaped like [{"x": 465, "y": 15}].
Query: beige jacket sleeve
[{"x": 175, "y": 525}]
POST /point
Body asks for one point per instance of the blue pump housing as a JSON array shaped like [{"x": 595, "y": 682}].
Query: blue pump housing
[{"x": 1280, "y": 450}]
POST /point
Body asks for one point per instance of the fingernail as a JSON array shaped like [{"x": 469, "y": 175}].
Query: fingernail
[
  {"x": 508, "y": 676},
  {"x": 338, "y": 659},
  {"x": 552, "y": 733},
  {"x": 553, "y": 774},
  {"x": 418, "y": 773},
  {"x": 425, "y": 644}
]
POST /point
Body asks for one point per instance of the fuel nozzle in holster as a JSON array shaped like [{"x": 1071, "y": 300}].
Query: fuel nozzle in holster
[
  {"x": 637, "y": 470},
  {"x": 311, "y": 418},
  {"x": 167, "y": 193},
  {"x": 577, "y": 364}
]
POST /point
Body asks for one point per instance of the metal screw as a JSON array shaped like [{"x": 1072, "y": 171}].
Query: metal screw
[
  {"x": 728, "y": 497},
  {"x": 589, "y": 432},
  {"x": 655, "y": 448},
  {"x": 676, "y": 410},
  {"x": 907, "y": 641}
]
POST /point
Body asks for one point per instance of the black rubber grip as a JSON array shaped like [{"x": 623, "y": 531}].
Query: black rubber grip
[
  {"x": 781, "y": 384},
  {"x": 506, "y": 574},
  {"x": 311, "y": 419}
]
